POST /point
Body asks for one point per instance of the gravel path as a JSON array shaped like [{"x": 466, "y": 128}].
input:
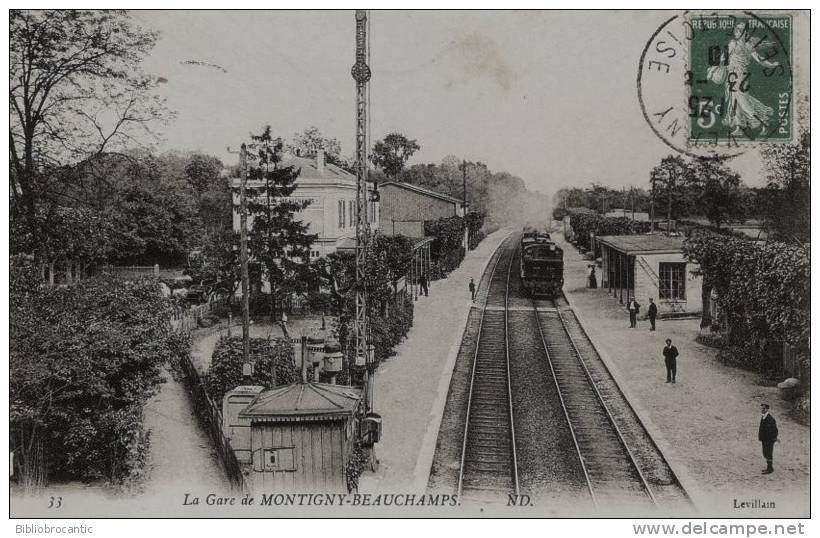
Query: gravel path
[{"x": 181, "y": 456}]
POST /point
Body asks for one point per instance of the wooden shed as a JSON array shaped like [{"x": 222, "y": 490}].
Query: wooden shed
[{"x": 301, "y": 437}]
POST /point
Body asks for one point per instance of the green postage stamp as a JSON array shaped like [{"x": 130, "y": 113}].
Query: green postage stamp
[{"x": 739, "y": 78}]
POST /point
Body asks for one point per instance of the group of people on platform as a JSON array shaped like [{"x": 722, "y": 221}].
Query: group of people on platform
[{"x": 767, "y": 433}]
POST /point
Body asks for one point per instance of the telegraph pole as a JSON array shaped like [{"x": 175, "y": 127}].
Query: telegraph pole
[
  {"x": 652, "y": 205},
  {"x": 669, "y": 206},
  {"x": 464, "y": 185},
  {"x": 243, "y": 252},
  {"x": 361, "y": 74}
]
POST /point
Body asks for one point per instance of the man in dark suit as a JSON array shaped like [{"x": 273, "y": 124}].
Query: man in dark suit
[
  {"x": 653, "y": 313},
  {"x": 634, "y": 307},
  {"x": 767, "y": 435},
  {"x": 670, "y": 357}
]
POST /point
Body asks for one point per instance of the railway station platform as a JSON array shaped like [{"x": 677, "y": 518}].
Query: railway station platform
[
  {"x": 410, "y": 389},
  {"x": 706, "y": 424}
]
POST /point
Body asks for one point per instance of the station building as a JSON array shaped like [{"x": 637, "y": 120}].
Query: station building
[
  {"x": 651, "y": 265},
  {"x": 332, "y": 195},
  {"x": 405, "y": 207}
]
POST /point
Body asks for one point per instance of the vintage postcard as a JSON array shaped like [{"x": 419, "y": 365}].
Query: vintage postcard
[{"x": 428, "y": 264}]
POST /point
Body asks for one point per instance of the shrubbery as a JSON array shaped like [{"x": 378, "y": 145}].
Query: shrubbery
[
  {"x": 84, "y": 360},
  {"x": 763, "y": 290},
  {"x": 447, "y": 249},
  {"x": 266, "y": 356},
  {"x": 586, "y": 224}
]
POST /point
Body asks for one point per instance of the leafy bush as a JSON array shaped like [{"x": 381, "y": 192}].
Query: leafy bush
[
  {"x": 266, "y": 356},
  {"x": 586, "y": 224},
  {"x": 355, "y": 466},
  {"x": 763, "y": 291},
  {"x": 447, "y": 249},
  {"x": 84, "y": 359}
]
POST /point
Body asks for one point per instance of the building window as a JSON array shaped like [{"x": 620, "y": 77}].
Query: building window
[
  {"x": 278, "y": 459},
  {"x": 372, "y": 212},
  {"x": 341, "y": 214},
  {"x": 352, "y": 212},
  {"x": 672, "y": 281}
]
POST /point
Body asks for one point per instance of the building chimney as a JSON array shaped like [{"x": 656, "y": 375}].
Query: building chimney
[{"x": 320, "y": 159}]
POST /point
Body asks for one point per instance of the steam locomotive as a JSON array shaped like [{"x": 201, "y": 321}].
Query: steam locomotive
[{"x": 541, "y": 264}]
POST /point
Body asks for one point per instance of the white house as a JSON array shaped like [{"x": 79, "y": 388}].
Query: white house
[{"x": 332, "y": 195}]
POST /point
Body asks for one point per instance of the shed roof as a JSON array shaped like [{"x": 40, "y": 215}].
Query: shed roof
[
  {"x": 303, "y": 401},
  {"x": 422, "y": 190},
  {"x": 640, "y": 244}
]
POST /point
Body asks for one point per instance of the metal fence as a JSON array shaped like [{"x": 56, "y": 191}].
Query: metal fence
[
  {"x": 186, "y": 318},
  {"x": 210, "y": 414},
  {"x": 131, "y": 271}
]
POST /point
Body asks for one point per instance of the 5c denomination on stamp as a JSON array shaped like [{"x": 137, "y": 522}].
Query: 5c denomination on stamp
[{"x": 710, "y": 84}]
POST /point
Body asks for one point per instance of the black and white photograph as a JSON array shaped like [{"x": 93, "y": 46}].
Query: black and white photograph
[{"x": 413, "y": 263}]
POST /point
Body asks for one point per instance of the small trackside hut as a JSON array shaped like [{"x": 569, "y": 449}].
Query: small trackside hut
[
  {"x": 651, "y": 265},
  {"x": 295, "y": 438}
]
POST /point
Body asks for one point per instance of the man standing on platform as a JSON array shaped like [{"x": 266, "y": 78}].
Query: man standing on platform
[
  {"x": 472, "y": 290},
  {"x": 653, "y": 313},
  {"x": 767, "y": 435},
  {"x": 634, "y": 307},
  {"x": 423, "y": 284},
  {"x": 670, "y": 357}
]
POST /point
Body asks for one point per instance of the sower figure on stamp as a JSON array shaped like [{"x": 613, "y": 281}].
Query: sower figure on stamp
[
  {"x": 670, "y": 357},
  {"x": 653, "y": 314},
  {"x": 767, "y": 435},
  {"x": 634, "y": 307},
  {"x": 472, "y": 290}
]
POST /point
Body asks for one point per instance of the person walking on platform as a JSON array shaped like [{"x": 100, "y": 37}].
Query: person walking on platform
[
  {"x": 670, "y": 357},
  {"x": 653, "y": 313},
  {"x": 634, "y": 307},
  {"x": 423, "y": 284},
  {"x": 767, "y": 435},
  {"x": 472, "y": 290},
  {"x": 592, "y": 280}
]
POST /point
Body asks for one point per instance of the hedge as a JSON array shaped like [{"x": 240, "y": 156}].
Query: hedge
[
  {"x": 225, "y": 372},
  {"x": 586, "y": 224},
  {"x": 764, "y": 293}
]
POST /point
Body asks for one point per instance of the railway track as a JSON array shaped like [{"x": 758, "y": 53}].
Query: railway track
[
  {"x": 489, "y": 466},
  {"x": 612, "y": 473}
]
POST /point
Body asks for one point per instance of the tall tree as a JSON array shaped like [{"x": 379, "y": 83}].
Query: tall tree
[
  {"x": 668, "y": 180},
  {"x": 76, "y": 90},
  {"x": 308, "y": 142},
  {"x": 391, "y": 153},
  {"x": 202, "y": 172},
  {"x": 716, "y": 192},
  {"x": 788, "y": 190},
  {"x": 277, "y": 239}
]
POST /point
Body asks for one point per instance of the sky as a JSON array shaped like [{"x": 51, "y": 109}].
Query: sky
[{"x": 547, "y": 96}]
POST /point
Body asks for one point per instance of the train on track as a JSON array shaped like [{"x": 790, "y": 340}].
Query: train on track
[{"x": 541, "y": 264}]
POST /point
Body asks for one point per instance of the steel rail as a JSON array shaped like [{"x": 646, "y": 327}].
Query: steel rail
[
  {"x": 564, "y": 406},
  {"x": 470, "y": 392},
  {"x": 592, "y": 383},
  {"x": 507, "y": 358}
]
